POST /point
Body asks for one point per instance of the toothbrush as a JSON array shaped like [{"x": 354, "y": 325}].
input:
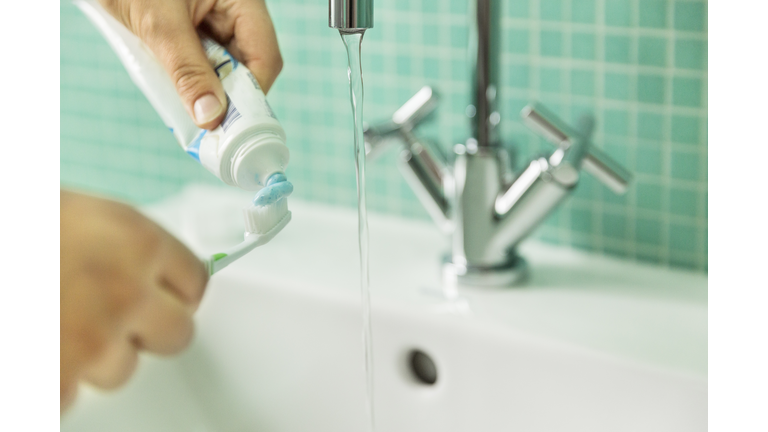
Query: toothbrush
[{"x": 262, "y": 223}]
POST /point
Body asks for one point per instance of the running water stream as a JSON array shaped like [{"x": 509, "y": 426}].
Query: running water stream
[{"x": 353, "y": 43}]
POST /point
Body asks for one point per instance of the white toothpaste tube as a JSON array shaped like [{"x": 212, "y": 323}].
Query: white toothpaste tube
[{"x": 249, "y": 144}]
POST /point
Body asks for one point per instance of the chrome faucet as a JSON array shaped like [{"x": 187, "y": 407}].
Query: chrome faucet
[
  {"x": 486, "y": 207},
  {"x": 350, "y": 16}
]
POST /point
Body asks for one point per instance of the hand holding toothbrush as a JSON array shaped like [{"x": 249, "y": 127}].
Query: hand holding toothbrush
[
  {"x": 126, "y": 286},
  {"x": 169, "y": 28}
]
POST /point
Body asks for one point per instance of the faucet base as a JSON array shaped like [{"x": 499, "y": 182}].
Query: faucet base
[{"x": 511, "y": 273}]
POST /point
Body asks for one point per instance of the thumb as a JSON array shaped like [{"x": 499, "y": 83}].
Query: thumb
[{"x": 174, "y": 41}]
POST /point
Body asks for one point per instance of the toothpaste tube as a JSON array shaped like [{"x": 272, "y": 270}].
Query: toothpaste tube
[{"x": 246, "y": 149}]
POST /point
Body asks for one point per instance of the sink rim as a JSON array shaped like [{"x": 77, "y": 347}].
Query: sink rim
[{"x": 559, "y": 274}]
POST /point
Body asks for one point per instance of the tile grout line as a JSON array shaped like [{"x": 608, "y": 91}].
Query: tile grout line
[
  {"x": 599, "y": 108},
  {"x": 667, "y": 140},
  {"x": 631, "y": 208}
]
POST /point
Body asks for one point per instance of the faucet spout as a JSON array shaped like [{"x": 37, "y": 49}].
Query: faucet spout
[
  {"x": 533, "y": 195},
  {"x": 350, "y": 16}
]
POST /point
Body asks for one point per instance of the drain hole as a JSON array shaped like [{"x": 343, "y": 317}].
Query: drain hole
[{"x": 422, "y": 367}]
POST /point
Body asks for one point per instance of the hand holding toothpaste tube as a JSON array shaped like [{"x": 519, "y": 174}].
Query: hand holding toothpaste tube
[{"x": 169, "y": 28}]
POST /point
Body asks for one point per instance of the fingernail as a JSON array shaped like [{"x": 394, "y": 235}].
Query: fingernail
[{"x": 207, "y": 108}]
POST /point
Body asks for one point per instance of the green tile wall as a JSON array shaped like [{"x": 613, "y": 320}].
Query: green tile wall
[{"x": 640, "y": 66}]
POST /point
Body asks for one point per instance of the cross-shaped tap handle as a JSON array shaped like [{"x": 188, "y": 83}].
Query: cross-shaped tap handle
[
  {"x": 410, "y": 114},
  {"x": 575, "y": 146}
]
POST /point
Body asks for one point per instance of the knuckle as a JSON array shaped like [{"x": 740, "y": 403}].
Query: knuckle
[
  {"x": 109, "y": 5},
  {"x": 149, "y": 24},
  {"x": 153, "y": 26},
  {"x": 190, "y": 79},
  {"x": 117, "y": 8}
]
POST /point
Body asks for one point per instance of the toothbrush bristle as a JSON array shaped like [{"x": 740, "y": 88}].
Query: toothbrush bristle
[{"x": 261, "y": 219}]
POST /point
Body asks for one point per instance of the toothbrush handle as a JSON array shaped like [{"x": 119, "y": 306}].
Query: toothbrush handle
[{"x": 218, "y": 261}]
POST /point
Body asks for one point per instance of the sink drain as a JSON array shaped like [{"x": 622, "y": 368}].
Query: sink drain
[{"x": 422, "y": 367}]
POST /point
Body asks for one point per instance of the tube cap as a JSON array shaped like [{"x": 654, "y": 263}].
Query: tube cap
[{"x": 258, "y": 160}]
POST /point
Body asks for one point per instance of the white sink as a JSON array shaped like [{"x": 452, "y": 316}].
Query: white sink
[{"x": 588, "y": 344}]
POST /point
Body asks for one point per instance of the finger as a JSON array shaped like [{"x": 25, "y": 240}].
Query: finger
[
  {"x": 182, "y": 273},
  {"x": 164, "y": 325},
  {"x": 169, "y": 32},
  {"x": 115, "y": 366},
  {"x": 249, "y": 35}
]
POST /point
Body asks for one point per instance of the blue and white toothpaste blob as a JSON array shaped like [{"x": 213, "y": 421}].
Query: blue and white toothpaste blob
[{"x": 277, "y": 188}]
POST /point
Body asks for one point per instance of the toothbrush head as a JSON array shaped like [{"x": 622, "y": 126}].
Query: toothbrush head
[
  {"x": 263, "y": 219},
  {"x": 262, "y": 223}
]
